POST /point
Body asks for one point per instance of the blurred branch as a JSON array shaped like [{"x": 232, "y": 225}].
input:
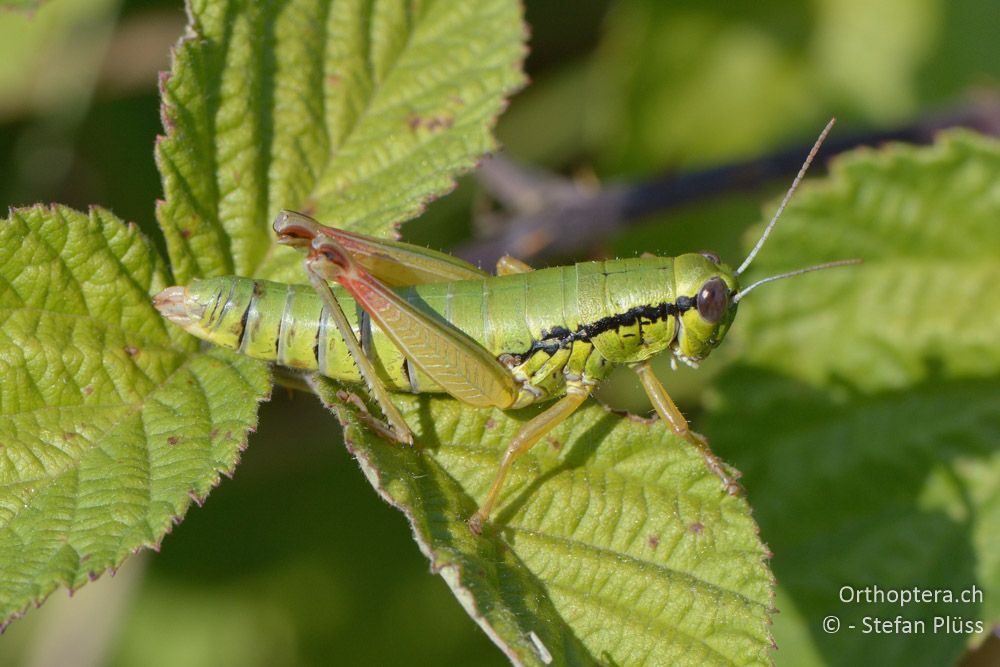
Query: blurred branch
[
  {"x": 546, "y": 215},
  {"x": 984, "y": 655},
  {"x": 139, "y": 50}
]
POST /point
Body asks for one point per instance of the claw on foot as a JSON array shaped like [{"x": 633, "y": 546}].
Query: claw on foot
[{"x": 727, "y": 474}]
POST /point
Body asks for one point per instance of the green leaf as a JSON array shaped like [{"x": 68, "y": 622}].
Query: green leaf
[
  {"x": 357, "y": 112},
  {"x": 95, "y": 459},
  {"x": 19, "y": 4},
  {"x": 613, "y": 543},
  {"x": 866, "y": 413}
]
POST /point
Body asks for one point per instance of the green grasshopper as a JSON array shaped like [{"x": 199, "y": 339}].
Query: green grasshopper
[{"x": 408, "y": 319}]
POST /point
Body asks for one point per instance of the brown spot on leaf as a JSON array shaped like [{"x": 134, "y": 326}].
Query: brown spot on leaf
[
  {"x": 696, "y": 527},
  {"x": 430, "y": 123},
  {"x": 173, "y": 440},
  {"x": 491, "y": 424},
  {"x": 131, "y": 351},
  {"x": 68, "y": 435},
  {"x": 185, "y": 233},
  {"x": 653, "y": 541},
  {"x": 440, "y": 123},
  {"x": 88, "y": 390},
  {"x": 556, "y": 444}
]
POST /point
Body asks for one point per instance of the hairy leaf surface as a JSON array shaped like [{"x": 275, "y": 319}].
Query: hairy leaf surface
[
  {"x": 613, "y": 542},
  {"x": 357, "y": 112},
  {"x": 110, "y": 420}
]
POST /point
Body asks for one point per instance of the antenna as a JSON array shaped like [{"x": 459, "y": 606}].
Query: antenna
[
  {"x": 784, "y": 202},
  {"x": 797, "y": 272}
]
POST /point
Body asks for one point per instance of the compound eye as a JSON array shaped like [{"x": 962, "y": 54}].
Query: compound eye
[
  {"x": 713, "y": 298},
  {"x": 710, "y": 256}
]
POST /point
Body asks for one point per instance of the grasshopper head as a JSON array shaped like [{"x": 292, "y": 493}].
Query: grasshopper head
[
  {"x": 708, "y": 296},
  {"x": 706, "y": 290}
]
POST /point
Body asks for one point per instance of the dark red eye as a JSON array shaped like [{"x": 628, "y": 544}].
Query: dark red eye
[{"x": 713, "y": 298}]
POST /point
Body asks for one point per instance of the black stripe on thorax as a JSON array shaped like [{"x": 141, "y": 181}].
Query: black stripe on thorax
[{"x": 561, "y": 337}]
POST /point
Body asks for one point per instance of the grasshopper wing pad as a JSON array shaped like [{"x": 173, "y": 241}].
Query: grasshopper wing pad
[
  {"x": 395, "y": 263},
  {"x": 462, "y": 367}
]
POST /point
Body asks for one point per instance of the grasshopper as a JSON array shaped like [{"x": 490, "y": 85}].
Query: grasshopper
[{"x": 408, "y": 319}]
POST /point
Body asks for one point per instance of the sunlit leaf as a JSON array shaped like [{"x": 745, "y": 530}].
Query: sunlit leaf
[
  {"x": 614, "y": 544},
  {"x": 357, "y": 112},
  {"x": 110, "y": 420}
]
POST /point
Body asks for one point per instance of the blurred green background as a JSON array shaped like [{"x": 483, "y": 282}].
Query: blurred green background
[{"x": 295, "y": 560}]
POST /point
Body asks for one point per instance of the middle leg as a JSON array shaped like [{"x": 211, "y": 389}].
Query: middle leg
[
  {"x": 668, "y": 412},
  {"x": 525, "y": 439}
]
